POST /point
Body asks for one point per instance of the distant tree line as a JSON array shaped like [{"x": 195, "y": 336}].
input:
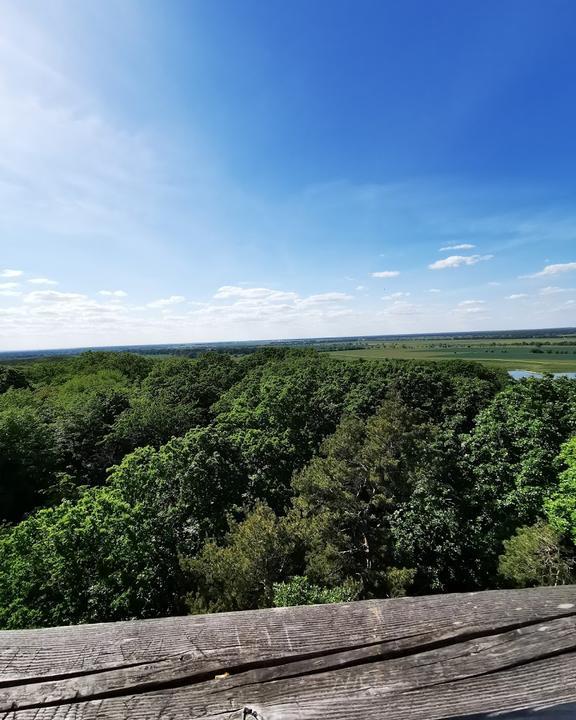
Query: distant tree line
[{"x": 135, "y": 487}]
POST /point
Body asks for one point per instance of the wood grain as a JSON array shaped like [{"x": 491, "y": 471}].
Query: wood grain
[{"x": 430, "y": 657}]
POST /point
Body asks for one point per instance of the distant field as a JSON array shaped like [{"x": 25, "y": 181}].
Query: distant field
[
  {"x": 532, "y": 354},
  {"x": 538, "y": 350}
]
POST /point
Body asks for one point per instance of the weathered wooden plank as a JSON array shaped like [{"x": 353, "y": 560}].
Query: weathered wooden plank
[
  {"x": 236, "y": 638},
  {"x": 414, "y": 658},
  {"x": 472, "y": 676},
  {"x": 385, "y": 670},
  {"x": 451, "y": 653}
]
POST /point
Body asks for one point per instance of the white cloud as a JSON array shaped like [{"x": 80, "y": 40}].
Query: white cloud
[
  {"x": 552, "y": 290},
  {"x": 42, "y": 315},
  {"x": 434, "y": 290},
  {"x": 461, "y": 246},
  {"x": 454, "y": 261},
  {"x": 76, "y": 318},
  {"x": 516, "y": 296},
  {"x": 329, "y": 297},
  {"x": 385, "y": 274},
  {"x": 9, "y": 285},
  {"x": 67, "y": 164},
  {"x": 554, "y": 270},
  {"x": 228, "y": 292},
  {"x": 9, "y": 293},
  {"x": 53, "y": 296},
  {"x": 113, "y": 293},
  {"x": 268, "y": 308},
  {"x": 11, "y": 273},
  {"x": 42, "y": 281},
  {"x": 566, "y": 305},
  {"x": 401, "y": 307},
  {"x": 396, "y": 296},
  {"x": 470, "y": 307},
  {"x": 166, "y": 302},
  {"x": 360, "y": 288}
]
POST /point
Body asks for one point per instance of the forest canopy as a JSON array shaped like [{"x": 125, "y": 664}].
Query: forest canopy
[{"x": 134, "y": 487}]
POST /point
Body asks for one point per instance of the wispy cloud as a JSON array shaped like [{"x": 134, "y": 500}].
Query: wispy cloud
[
  {"x": 322, "y": 298},
  {"x": 454, "y": 261},
  {"x": 67, "y": 166},
  {"x": 385, "y": 274},
  {"x": 516, "y": 296},
  {"x": 258, "y": 293},
  {"x": 113, "y": 293},
  {"x": 556, "y": 269},
  {"x": 166, "y": 302},
  {"x": 42, "y": 281},
  {"x": 471, "y": 307},
  {"x": 402, "y": 307},
  {"x": 461, "y": 246},
  {"x": 11, "y": 273},
  {"x": 552, "y": 290},
  {"x": 53, "y": 296},
  {"x": 396, "y": 296}
]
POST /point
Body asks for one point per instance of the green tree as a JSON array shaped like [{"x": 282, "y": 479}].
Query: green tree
[
  {"x": 534, "y": 556},
  {"x": 132, "y": 366},
  {"x": 279, "y": 413},
  {"x": 176, "y": 396},
  {"x": 300, "y": 591},
  {"x": 11, "y": 378},
  {"x": 81, "y": 426},
  {"x": 240, "y": 575},
  {"x": 27, "y": 461},
  {"x": 114, "y": 553},
  {"x": 561, "y": 507},
  {"x": 345, "y": 497},
  {"x": 511, "y": 461}
]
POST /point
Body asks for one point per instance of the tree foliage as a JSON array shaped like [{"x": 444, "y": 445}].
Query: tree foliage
[
  {"x": 534, "y": 556},
  {"x": 137, "y": 487},
  {"x": 11, "y": 378},
  {"x": 300, "y": 591}
]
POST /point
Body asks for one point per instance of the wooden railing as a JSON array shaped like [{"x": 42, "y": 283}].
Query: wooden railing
[{"x": 402, "y": 659}]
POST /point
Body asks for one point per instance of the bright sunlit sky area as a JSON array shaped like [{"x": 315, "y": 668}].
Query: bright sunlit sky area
[{"x": 187, "y": 171}]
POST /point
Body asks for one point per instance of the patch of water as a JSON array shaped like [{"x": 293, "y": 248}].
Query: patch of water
[{"x": 519, "y": 374}]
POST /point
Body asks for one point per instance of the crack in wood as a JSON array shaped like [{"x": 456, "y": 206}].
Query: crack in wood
[
  {"x": 512, "y": 666},
  {"x": 58, "y": 677}
]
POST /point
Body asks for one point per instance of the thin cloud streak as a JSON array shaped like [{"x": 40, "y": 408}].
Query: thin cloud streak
[
  {"x": 385, "y": 274},
  {"x": 556, "y": 269},
  {"x": 455, "y": 261}
]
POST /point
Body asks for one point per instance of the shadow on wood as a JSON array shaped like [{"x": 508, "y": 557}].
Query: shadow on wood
[{"x": 444, "y": 656}]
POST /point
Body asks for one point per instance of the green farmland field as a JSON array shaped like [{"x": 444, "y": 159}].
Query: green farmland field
[{"x": 535, "y": 355}]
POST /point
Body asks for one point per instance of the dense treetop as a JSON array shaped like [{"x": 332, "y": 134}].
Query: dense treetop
[{"x": 137, "y": 487}]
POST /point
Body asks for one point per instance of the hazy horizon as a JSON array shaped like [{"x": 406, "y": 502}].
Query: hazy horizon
[
  {"x": 188, "y": 172},
  {"x": 498, "y": 332}
]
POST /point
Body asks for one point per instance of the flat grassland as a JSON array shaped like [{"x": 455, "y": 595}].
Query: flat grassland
[{"x": 534, "y": 354}]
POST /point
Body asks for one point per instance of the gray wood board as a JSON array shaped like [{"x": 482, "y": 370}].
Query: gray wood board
[{"x": 430, "y": 657}]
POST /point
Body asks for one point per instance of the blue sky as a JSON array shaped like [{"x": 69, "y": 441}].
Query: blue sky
[{"x": 186, "y": 171}]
